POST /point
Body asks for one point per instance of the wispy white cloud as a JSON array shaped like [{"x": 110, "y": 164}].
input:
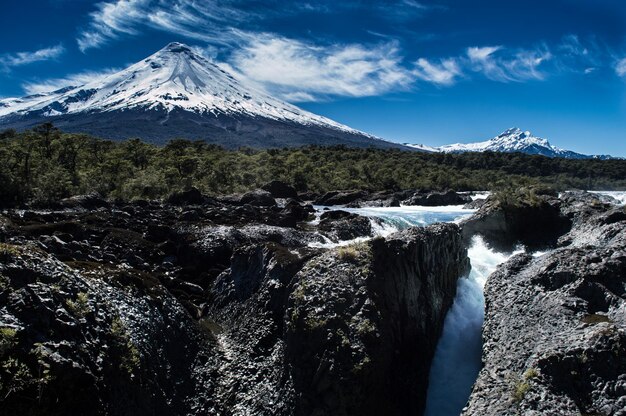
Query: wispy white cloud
[
  {"x": 220, "y": 22},
  {"x": 620, "y": 67},
  {"x": 498, "y": 64},
  {"x": 525, "y": 64},
  {"x": 189, "y": 18},
  {"x": 572, "y": 45},
  {"x": 72, "y": 80},
  {"x": 579, "y": 55},
  {"x": 24, "y": 58},
  {"x": 299, "y": 97},
  {"x": 402, "y": 10},
  {"x": 443, "y": 73},
  {"x": 300, "y": 70}
]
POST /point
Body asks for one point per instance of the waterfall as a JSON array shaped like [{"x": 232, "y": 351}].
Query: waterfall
[{"x": 457, "y": 359}]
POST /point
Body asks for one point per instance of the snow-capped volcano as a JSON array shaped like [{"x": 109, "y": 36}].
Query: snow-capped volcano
[
  {"x": 511, "y": 141},
  {"x": 179, "y": 93}
]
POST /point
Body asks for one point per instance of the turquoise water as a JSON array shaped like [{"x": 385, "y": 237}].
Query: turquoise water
[{"x": 403, "y": 217}]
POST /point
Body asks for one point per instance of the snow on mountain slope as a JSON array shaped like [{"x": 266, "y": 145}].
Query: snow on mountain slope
[
  {"x": 178, "y": 93},
  {"x": 422, "y": 147},
  {"x": 173, "y": 78},
  {"x": 511, "y": 141}
]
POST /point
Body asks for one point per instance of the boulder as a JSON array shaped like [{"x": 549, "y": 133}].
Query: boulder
[
  {"x": 294, "y": 212},
  {"x": 378, "y": 199},
  {"x": 340, "y": 225},
  {"x": 280, "y": 189},
  {"x": 308, "y": 196},
  {"x": 340, "y": 197},
  {"x": 475, "y": 204},
  {"x": 258, "y": 198},
  {"x": 190, "y": 196},
  {"x": 88, "y": 201},
  {"x": 537, "y": 224},
  {"x": 432, "y": 199}
]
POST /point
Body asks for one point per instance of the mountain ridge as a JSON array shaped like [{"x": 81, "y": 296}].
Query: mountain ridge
[{"x": 512, "y": 140}]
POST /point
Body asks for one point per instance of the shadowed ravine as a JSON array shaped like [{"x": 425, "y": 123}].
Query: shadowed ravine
[{"x": 457, "y": 360}]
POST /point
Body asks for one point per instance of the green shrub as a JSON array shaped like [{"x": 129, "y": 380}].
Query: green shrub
[
  {"x": 348, "y": 253},
  {"x": 522, "y": 386},
  {"x": 8, "y": 251},
  {"x": 80, "y": 306},
  {"x": 531, "y": 373},
  {"x": 519, "y": 391},
  {"x": 15, "y": 377},
  {"x": 126, "y": 350},
  {"x": 7, "y": 339},
  {"x": 52, "y": 185}
]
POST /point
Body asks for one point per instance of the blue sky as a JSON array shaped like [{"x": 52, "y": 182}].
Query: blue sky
[{"x": 431, "y": 72}]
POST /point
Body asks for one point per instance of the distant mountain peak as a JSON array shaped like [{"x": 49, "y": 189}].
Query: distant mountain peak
[
  {"x": 515, "y": 138},
  {"x": 512, "y": 140},
  {"x": 509, "y": 141}
]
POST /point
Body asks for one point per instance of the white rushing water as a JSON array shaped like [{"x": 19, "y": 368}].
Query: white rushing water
[
  {"x": 620, "y": 196},
  {"x": 457, "y": 359}
]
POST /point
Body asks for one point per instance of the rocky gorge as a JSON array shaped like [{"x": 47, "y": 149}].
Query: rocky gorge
[
  {"x": 554, "y": 339},
  {"x": 264, "y": 304}
]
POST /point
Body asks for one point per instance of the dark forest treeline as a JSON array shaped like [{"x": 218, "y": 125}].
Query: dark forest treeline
[{"x": 44, "y": 165}]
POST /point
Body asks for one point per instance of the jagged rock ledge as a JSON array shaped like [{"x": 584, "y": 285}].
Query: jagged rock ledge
[{"x": 214, "y": 309}]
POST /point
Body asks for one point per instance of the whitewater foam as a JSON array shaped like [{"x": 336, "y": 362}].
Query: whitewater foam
[{"x": 620, "y": 196}]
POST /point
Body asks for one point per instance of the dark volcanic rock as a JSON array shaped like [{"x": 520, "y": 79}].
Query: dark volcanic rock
[
  {"x": 378, "y": 199},
  {"x": 189, "y": 197},
  {"x": 89, "y": 201},
  {"x": 350, "y": 331},
  {"x": 537, "y": 225},
  {"x": 258, "y": 198},
  {"x": 341, "y": 225},
  {"x": 131, "y": 310},
  {"x": 248, "y": 314},
  {"x": 555, "y": 328},
  {"x": 340, "y": 197},
  {"x": 308, "y": 196},
  {"x": 95, "y": 341},
  {"x": 280, "y": 189},
  {"x": 475, "y": 204},
  {"x": 432, "y": 199},
  {"x": 294, "y": 212}
]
